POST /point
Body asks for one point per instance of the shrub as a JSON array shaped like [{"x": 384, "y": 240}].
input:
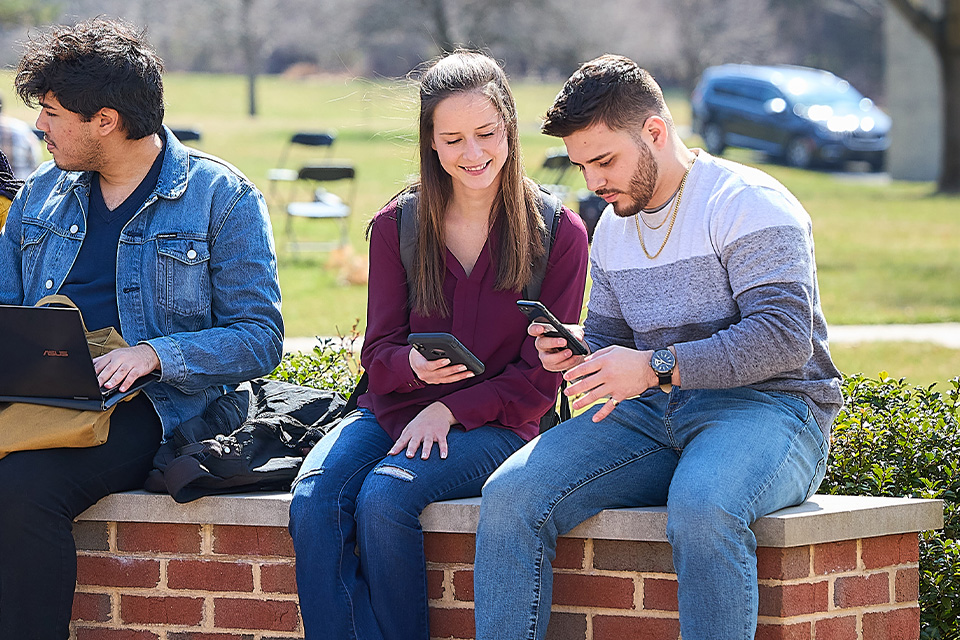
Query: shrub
[
  {"x": 891, "y": 439},
  {"x": 331, "y": 365}
]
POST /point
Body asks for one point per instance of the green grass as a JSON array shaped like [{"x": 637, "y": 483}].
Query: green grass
[{"x": 885, "y": 253}]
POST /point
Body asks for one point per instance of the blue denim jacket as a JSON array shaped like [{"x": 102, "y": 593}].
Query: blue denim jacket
[{"x": 196, "y": 272}]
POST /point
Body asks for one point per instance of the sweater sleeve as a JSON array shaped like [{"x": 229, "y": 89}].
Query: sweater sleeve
[
  {"x": 772, "y": 277},
  {"x": 385, "y": 353},
  {"x": 524, "y": 390}
]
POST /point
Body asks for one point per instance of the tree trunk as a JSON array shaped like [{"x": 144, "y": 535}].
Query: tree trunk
[
  {"x": 949, "y": 181},
  {"x": 249, "y": 46}
]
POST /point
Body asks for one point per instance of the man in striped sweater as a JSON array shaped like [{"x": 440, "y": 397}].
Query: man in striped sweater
[{"x": 709, "y": 383}]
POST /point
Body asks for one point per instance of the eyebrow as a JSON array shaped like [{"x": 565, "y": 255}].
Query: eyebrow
[
  {"x": 457, "y": 133},
  {"x": 593, "y": 160}
]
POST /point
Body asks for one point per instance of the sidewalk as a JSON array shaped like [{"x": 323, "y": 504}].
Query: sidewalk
[{"x": 946, "y": 334}]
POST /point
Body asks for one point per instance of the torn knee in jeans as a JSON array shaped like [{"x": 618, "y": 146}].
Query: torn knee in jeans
[{"x": 395, "y": 472}]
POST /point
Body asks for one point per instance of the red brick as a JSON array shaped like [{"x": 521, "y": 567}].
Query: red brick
[
  {"x": 660, "y": 595},
  {"x": 252, "y": 541},
  {"x": 208, "y": 575},
  {"x": 567, "y": 626},
  {"x": 280, "y": 577},
  {"x": 860, "y": 591},
  {"x": 621, "y": 627},
  {"x": 570, "y": 553},
  {"x": 834, "y": 557},
  {"x": 442, "y": 548},
  {"x": 117, "y": 572},
  {"x": 452, "y": 623},
  {"x": 160, "y": 610},
  {"x": 93, "y": 607},
  {"x": 463, "y": 586},
  {"x": 621, "y": 555},
  {"x": 787, "y": 600},
  {"x": 99, "y": 633},
  {"x": 834, "y": 628},
  {"x": 91, "y": 536},
  {"x": 907, "y": 585},
  {"x": 158, "y": 537},
  {"x": 434, "y": 584},
  {"x": 900, "y": 624},
  {"x": 887, "y": 551},
  {"x": 593, "y": 591},
  {"x": 783, "y": 631},
  {"x": 268, "y": 615},
  {"x": 200, "y": 635},
  {"x": 784, "y": 563}
]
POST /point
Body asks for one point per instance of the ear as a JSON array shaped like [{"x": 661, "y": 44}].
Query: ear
[
  {"x": 656, "y": 128},
  {"x": 108, "y": 121}
]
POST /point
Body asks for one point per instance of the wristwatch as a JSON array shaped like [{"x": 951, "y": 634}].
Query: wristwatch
[{"x": 663, "y": 362}]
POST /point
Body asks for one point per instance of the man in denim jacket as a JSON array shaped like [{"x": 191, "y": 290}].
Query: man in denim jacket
[{"x": 169, "y": 245}]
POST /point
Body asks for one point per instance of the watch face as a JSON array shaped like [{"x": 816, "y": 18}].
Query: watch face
[{"x": 663, "y": 361}]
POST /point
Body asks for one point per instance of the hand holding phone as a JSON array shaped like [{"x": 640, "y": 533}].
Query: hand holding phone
[
  {"x": 536, "y": 312},
  {"x": 434, "y": 346}
]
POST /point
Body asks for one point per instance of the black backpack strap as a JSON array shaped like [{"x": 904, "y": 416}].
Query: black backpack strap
[
  {"x": 407, "y": 223},
  {"x": 358, "y": 391},
  {"x": 551, "y": 209}
]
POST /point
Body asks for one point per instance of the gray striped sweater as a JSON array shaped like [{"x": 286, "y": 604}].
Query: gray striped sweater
[{"x": 734, "y": 289}]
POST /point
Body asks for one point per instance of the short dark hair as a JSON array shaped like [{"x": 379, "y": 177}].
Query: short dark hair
[
  {"x": 610, "y": 90},
  {"x": 92, "y": 65}
]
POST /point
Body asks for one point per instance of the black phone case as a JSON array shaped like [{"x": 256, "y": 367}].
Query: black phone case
[
  {"x": 536, "y": 312},
  {"x": 434, "y": 346}
]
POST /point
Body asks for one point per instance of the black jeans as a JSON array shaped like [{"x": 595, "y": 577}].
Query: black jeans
[{"x": 41, "y": 492}]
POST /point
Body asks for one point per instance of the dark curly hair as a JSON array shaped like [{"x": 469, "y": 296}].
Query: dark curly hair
[
  {"x": 610, "y": 90},
  {"x": 92, "y": 65}
]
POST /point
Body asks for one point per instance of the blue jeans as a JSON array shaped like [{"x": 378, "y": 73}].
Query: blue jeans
[
  {"x": 719, "y": 459},
  {"x": 355, "y": 523}
]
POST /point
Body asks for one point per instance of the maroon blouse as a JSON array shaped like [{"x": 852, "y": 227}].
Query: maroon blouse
[{"x": 514, "y": 391}]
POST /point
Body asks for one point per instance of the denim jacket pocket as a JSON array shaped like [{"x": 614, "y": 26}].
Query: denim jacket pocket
[{"x": 183, "y": 275}]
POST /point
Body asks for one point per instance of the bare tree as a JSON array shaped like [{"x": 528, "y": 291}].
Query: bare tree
[{"x": 943, "y": 32}]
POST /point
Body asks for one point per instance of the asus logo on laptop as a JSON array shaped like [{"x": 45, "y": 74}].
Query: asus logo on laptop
[{"x": 56, "y": 354}]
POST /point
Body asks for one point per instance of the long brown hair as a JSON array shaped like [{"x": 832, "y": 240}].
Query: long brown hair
[{"x": 520, "y": 244}]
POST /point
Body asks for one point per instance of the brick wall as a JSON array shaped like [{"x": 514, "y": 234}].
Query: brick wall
[{"x": 139, "y": 581}]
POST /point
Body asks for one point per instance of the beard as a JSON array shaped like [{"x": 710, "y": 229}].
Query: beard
[{"x": 642, "y": 183}]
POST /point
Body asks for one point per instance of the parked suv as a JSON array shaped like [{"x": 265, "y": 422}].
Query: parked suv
[{"x": 800, "y": 115}]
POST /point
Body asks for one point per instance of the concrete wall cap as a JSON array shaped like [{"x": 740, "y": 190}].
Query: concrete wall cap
[{"x": 823, "y": 518}]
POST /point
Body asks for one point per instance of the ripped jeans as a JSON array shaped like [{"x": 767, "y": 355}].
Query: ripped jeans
[{"x": 355, "y": 523}]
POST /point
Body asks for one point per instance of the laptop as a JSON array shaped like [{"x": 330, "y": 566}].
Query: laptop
[{"x": 44, "y": 359}]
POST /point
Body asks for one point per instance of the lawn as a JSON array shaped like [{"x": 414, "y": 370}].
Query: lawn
[{"x": 886, "y": 252}]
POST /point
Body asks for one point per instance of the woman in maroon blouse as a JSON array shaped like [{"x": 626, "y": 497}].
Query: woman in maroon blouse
[{"x": 356, "y": 505}]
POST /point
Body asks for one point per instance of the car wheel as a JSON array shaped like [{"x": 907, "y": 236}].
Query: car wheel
[
  {"x": 714, "y": 138},
  {"x": 799, "y": 153}
]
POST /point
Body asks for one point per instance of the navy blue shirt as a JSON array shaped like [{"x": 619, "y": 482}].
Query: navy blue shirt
[{"x": 92, "y": 281}]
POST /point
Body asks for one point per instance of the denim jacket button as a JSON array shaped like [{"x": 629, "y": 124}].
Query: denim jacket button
[
  {"x": 48, "y": 284},
  {"x": 191, "y": 254},
  {"x": 74, "y": 228}
]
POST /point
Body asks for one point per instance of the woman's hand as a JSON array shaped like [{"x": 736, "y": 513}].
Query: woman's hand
[
  {"x": 431, "y": 425},
  {"x": 437, "y": 371}
]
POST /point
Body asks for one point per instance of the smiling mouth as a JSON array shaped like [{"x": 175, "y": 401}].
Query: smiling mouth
[{"x": 478, "y": 168}]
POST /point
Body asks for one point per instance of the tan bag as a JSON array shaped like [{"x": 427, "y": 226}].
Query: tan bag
[{"x": 28, "y": 427}]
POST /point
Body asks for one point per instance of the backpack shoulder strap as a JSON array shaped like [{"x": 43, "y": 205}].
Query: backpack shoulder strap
[
  {"x": 551, "y": 209},
  {"x": 407, "y": 223}
]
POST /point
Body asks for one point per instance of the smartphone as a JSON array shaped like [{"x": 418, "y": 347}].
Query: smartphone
[
  {"x": 434, "y": 346},
  {"x": 536, "y": 312}
]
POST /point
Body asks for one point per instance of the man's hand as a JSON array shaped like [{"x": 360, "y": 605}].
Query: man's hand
[
  {"x": 615, "y": 373},
  {"x": 437, "y": 371},
  {"x": 122, "y": 367},
  {"x": 431, "y": 425},
  {"x": 554, "y": 353}
]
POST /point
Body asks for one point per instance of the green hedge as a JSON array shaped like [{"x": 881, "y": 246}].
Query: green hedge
[{"x": 892, "y": 439}]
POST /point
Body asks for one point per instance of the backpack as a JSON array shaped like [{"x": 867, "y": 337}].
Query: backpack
[
  {"x": 551, "y": 210},
  {"x": 254, "y": 438}
]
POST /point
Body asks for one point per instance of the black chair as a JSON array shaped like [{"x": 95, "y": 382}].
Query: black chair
[
  {"x": 186, "y": 135},
  {"x": 323, "y": 205}
]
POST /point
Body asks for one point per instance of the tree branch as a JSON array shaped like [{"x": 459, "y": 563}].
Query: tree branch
[{"x": 925, "y": 24}]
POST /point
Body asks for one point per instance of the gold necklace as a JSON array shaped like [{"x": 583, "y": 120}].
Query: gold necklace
[
  {"x": 673, "y": 218},
  {"x": 644, "y": 213}
]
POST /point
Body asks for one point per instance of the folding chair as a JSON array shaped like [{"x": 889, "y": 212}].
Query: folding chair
[
  {"x": 324, "y": 205},
  {"x": 186, "y": 135},
  {"x": 556, "y": 163}
]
